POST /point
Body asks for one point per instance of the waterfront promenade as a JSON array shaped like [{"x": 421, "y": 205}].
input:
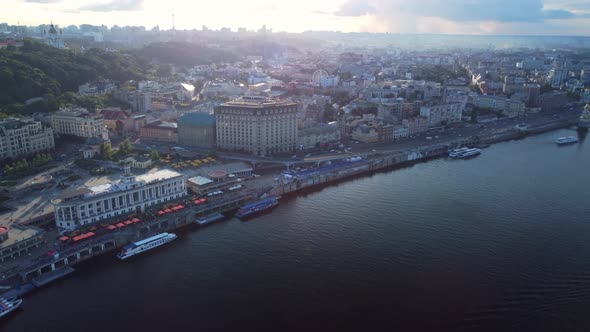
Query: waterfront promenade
[{"x": 377, "y": 158}]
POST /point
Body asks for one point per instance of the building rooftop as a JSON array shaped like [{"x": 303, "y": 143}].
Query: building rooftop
[
  {"x": 76, "y": 112},
  {"x": 13, "y": 123},
  {"x": 196, "y": 119},
  {"x": 257, "y": 102},
  {"x": 165, "y": 125},
  {"x": 157, "y": 176},
  {"x": 19, "y": 233},
  {"x": 200, "y": 181},
  {"x": 116, "y": 186}
]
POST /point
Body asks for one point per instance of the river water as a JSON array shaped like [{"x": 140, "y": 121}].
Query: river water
[{"x": 500, "y": 243}]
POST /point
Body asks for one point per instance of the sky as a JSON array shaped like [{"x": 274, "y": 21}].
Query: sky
[{"x": 510, "y": 17}]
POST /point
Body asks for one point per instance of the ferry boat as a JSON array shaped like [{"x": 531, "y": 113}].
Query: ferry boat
[
  {"x": 464, "y": 153},
  {"x": 209, "y": 219},
  {"x": 9, "y": 305},
  {"x": 145, "y": 245},
  {"x": 455, "y": 153},
  {"x": 255, "y": 208},
  {"x": 566, "y": 140},
  {"x": 470, "y": 153}
]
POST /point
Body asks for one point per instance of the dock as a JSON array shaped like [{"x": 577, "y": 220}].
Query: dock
[
  {"x": 52, "y": 276},
  {"x": 18, "y": 290},
  {"x": 209, "y": 219}
]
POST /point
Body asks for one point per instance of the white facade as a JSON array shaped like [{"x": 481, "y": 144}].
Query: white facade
[
  {"x": 129, "y": 195},
  {"x": 442, "y": 114},
  {"x": 53, "y": 38},
  {"x": 312, "y": 137},
  {"x": 24, "y": 137},
  {"x": 78, "y": 122}
]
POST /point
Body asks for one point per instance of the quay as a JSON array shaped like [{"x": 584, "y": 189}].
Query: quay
[
  {"x": 382, "y": 161},
  {"x": 52, "y": 276},
  {"x": 44, "y": 270}
]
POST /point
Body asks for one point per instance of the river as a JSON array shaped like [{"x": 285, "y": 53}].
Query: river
[{"x": 498, "y": 242}]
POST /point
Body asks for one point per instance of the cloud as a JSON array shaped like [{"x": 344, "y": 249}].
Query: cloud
[
  {"x": 460, "y": 10},
  {"x": 115, "y": 5},
  {"x": 42, "y": 1},
  {"x": 355, "y": 8}
]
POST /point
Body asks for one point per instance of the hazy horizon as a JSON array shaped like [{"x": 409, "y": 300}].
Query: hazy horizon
[{"x": 454, "y": 17}]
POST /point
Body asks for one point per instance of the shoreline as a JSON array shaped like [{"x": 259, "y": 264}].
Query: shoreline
[{"x": 373, "y": 164}]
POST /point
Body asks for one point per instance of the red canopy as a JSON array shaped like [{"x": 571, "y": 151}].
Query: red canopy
[
  {"x": 135, "y": 220},
  {"x": 203, "y": 200},
  {"x": 197, "y": 202},
  {"x": 161, "y": 212},
  {"x": 180, "y": 207},
  {"x": 167, "y": 210},
  {"x": 111, "y": 227},
  {"x": 64, "y": 238},
  {"x": 128, "y": 222},
  {"x": 120, "y": 225}
]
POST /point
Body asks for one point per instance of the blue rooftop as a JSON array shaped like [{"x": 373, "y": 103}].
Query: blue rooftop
[{"x": 196, "y": 119}]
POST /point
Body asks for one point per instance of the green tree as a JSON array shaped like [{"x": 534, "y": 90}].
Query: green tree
[
  {"x": 155, "y": 155},
  {"x": 126, "y": 146},
  {"x": 106, "y": 151}
]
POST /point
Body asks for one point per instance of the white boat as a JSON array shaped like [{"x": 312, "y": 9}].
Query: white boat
[
  {"x": 145, "y": 245},
  {"x": 9, "y": 305},
  {"x": 470, "y": 153},
  {"x": 457, "y": 152},
  {"x": 464, "y": 153},
  {"x": 566, "y": 140}
]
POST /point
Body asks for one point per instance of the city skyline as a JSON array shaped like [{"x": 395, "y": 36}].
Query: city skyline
[{"x": 530, "y": 17}]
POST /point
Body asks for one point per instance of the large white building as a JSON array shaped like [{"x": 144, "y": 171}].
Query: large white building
[
  {"x": 129, "y": 195},
  {"x": 78, "y": 122},
  {"x": 442, "y": 114},
  {"x": 22, "y": 137},
  {"x": 257, "y": 125}
]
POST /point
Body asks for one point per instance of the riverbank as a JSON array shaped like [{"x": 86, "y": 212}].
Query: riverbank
[
  {"x": 497, "y": 242},
  {"x": 373, "y": 162}
]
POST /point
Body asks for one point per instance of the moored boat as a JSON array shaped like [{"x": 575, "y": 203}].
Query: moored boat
[
  {"x": 566, "y": 140},
  {"x": 9, "y": 305},
  {"x": 145, "y": 245},
  {"x": 253, "y": 209},
  {"x": 464, "y": 153}
]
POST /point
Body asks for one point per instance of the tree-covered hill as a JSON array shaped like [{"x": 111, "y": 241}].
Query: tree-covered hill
[
  {"x": 184, "y": 54},
  {"x": 38, "y": 70}
]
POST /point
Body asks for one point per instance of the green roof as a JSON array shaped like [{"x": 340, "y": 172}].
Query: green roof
[{"x": 196, "y": 119}]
